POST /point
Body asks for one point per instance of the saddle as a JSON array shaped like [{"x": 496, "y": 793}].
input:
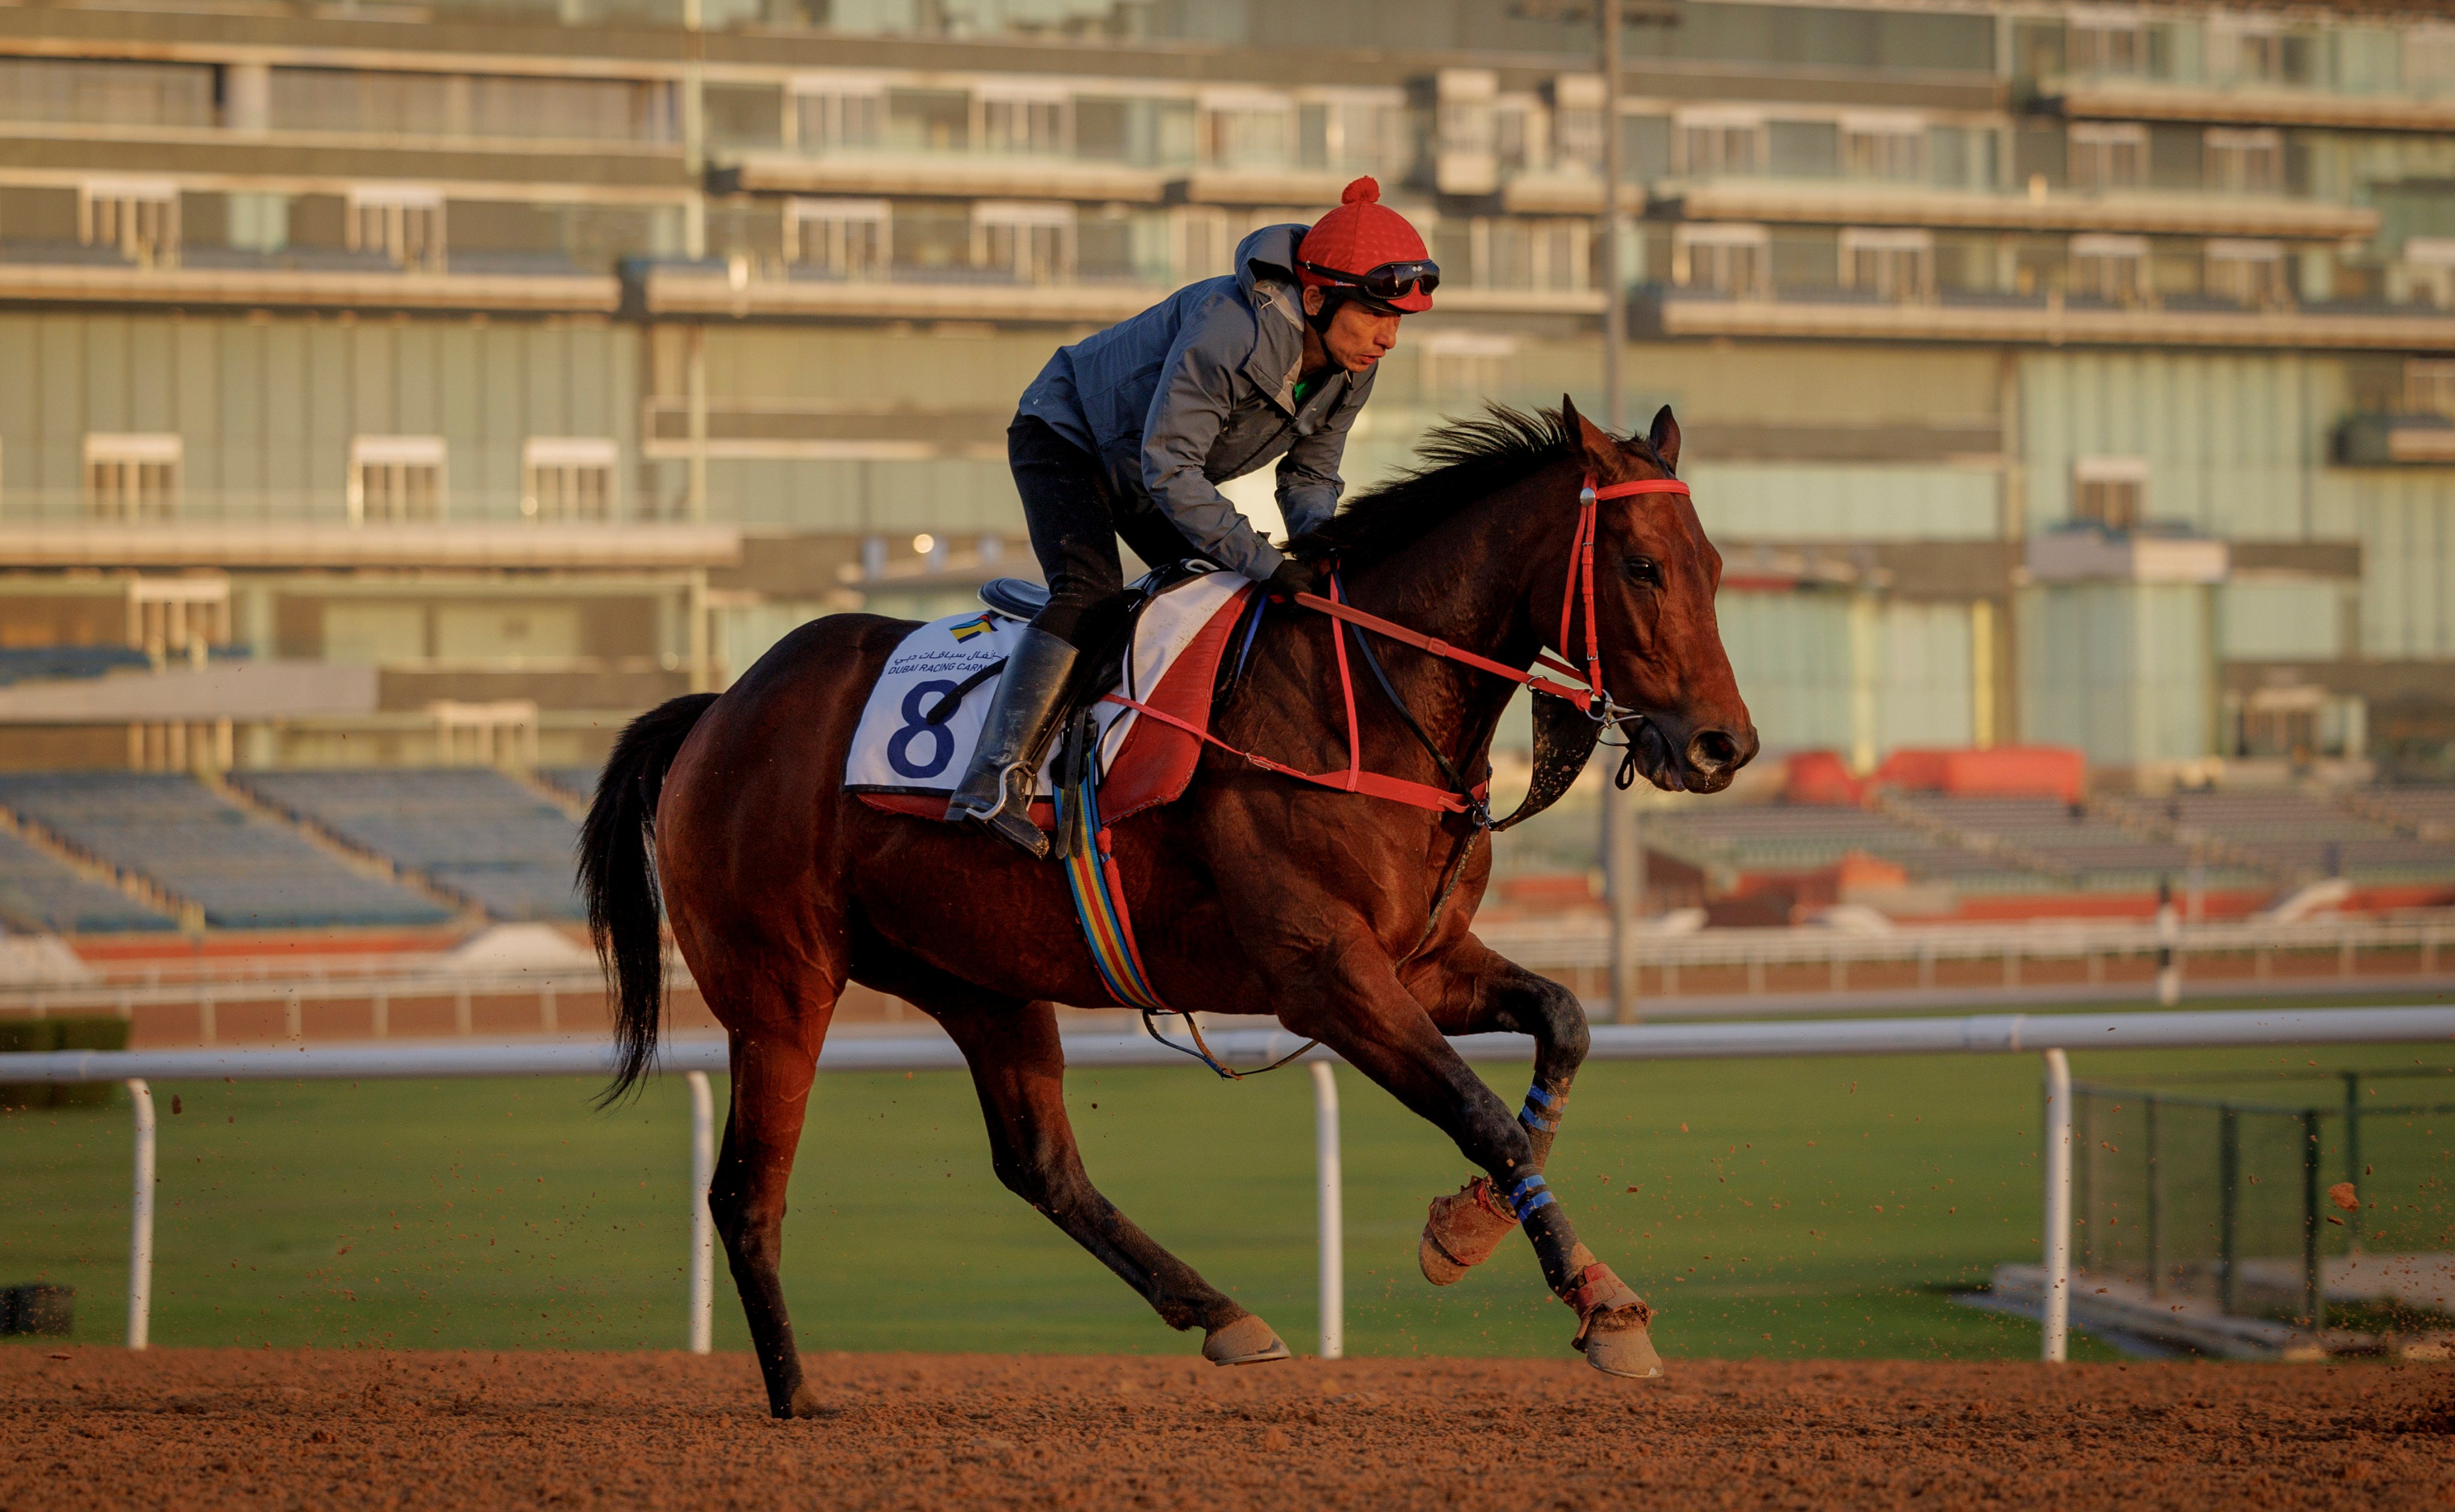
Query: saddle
[{"x": 924, "y": 713}]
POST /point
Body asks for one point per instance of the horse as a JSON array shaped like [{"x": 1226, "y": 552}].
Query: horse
[{"x": 1345, "y": 915}]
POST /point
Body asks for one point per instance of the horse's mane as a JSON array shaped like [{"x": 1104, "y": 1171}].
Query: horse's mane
[{"x": 1462, "y": 462}]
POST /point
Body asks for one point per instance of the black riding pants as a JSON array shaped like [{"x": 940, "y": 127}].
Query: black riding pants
[{"x": 1076, "y": 519}]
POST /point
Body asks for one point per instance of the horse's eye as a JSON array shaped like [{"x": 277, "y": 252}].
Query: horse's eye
[{"x": 1642, "y": 569}]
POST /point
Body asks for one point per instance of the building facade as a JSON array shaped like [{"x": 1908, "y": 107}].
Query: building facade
[{"x": 2064, "y": 374}]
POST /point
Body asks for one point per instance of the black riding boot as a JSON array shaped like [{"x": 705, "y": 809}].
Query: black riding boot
[{"x": 996, "y": 790}]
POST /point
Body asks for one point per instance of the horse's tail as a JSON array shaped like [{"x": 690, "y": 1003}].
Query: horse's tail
[{"x": 617, "y": 876}]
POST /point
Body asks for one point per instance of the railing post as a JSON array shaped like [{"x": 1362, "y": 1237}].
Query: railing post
[
  {"x": 1327, "y": 1178},
  {"x": 2059, "y": 1199},
  {"x": 702, "y": 1255},
  {"x": 2353, "y": 1152},
  {"x": 140, "y": 1222},
  {"x": 2314, "y": 1296},
  {"x": 2155, "y": 1208},
  {"x": 2229, "y": 1207}
]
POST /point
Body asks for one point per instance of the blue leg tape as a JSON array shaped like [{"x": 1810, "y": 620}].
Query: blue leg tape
[
  {"x": 1530, "y": 1195},
  {"x": 1542, "y": 1111}
]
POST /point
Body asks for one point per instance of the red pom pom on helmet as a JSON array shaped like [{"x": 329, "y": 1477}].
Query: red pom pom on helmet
[{"x": 1362, "y": 234}]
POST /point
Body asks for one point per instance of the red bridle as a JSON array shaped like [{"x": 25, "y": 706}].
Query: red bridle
[
  {"x": 1592, "y": 697},
  {"x": 1579, "y": 588}
]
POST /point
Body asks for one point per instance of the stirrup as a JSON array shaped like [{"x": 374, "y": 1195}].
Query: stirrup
[{"x": 1009, "y": 819}]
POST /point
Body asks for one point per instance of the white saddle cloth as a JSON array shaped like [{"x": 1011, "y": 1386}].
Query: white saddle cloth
[{"x": 898, "y": 751}]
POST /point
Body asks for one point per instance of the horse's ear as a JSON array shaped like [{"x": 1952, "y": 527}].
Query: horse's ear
[
  {"x": 1665, "y": 437},
  {"x": 1603, "y": 455}
]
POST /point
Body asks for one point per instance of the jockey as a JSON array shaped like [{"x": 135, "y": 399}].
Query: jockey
[{"x": 1128, "y": 433}]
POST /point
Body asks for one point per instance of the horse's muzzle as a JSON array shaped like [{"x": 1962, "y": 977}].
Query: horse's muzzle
[{"x": 1706, "y": 762}]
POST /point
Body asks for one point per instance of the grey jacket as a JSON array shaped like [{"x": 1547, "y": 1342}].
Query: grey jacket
[{"x": 1200, "y": 389}]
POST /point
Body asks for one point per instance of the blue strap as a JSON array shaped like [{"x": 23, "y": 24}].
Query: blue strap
[
  {"x": 1542, "y": 1110},
  {"x": 1530, "y": 1195}
]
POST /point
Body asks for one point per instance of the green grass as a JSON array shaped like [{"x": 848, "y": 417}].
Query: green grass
[{"x": 1808, "y": 1208}]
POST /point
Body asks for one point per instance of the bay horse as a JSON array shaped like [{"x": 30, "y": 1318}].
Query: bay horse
[{"x": 1252, "y": 892}]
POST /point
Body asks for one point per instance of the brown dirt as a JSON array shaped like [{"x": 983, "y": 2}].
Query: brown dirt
[{"x": 207, "y": 1428}]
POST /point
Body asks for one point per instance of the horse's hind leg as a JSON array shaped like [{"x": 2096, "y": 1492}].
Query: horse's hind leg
[
  {"x": 1019, "y": 1068},
  {"x": 772, "y": 1071}
]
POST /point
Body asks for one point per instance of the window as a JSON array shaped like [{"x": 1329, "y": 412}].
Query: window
[
  {"x": 842, "y": 238},
  {"x": 1888, "y": 147},
  {"x": 1727, "y": 259},
  {"x": 1201, "y": 240},
  {"x": 1016, "y": 117},
  {"x": 1031, "y": 241},
  {"x": 2429, "y": 386},
  {"x": 1465, "y": 367},
  {"x": 132, "y": 477},
  {"x": 2114, "y": 269},
  {"x": 1578, "y": 121},
  {"x": 2262, "y": 52},
  {"x": 2110, "y": 491},
  {"x": 568, "y": 477},
  {"x": 2106, "y": 45},
  {"x": 140, "y": 217},
  {"x": 2245, "y": 162},
  {"x": 832, "y": 113},
  {"x": 1719, "y": 141},
  {"x": 2108, "y": 155},
  {"x": 2247, "y": 272},
  {"x": 401, "y": 221},
  {"x": 259, "y": 222},
  {"x": 2429, "y": 60},
  {"x": 1248, "y": 128},
  {"x": 1889, "y": 264},
  {"x": 395, "y": 479},
  {"x": 1543, "y": 255},
  {"x": 2429, "y": 269},
  {"x": 1365, "y": 135}
]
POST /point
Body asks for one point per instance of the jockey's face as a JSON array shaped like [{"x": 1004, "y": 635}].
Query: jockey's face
[{"x": 1356, "y": 339}]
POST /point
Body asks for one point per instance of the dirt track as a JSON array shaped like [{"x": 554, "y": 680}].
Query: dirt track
[{"x": 203, "y": 1428}]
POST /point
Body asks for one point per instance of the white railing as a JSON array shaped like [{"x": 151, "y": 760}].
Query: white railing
[
  {"x": 1586, "y": 945},
  {"x": 1570, "y": 947},
  {"x": 695, "y": 1056}
]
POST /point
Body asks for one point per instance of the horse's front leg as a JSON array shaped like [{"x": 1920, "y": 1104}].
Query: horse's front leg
[
  {"x": 1472, "y": 990},
  {"x": 1347, "y": 994}
]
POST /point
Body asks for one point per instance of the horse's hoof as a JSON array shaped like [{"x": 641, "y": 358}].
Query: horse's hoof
[
  {"x": 1622, "y": 1348},
  {"x": 805, "y": 1404},
  {"x": 1247, "y": 1342},
  {"x": 1461, "y": 1230}
]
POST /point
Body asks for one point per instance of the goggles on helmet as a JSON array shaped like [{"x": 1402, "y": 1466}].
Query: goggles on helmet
[{"x": 1389, "y": 281}]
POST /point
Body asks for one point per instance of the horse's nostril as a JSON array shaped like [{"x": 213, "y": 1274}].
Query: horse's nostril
[{"x": 1713, "y": 750}]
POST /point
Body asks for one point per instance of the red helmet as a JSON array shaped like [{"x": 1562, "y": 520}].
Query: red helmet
[{"x": 1369, "y": 249}]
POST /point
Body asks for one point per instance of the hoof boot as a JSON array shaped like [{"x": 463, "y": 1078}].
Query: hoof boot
[
  {"x": 1461, "y": 1230},
  {"x": 1247, "y": 1342}
]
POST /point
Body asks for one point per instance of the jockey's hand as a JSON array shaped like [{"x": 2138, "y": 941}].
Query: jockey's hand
[{"x": 1293, "y": 577}]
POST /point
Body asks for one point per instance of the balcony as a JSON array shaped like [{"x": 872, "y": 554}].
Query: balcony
[
  {"x": 953, "y": 174},
  {"x": 2046, "y": 320},
  {"x": 263, "y": 528},
  {"x": 2250, "y": 104},
  {"x": 1840, "y": 202},
  {"x": 303, "y": 278}
]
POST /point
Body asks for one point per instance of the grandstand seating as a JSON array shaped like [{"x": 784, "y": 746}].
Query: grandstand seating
[
  {"x": 2300, "y": 835},
  {"x": 2090, "y": 850},
  {"x": 39, "y": 895},
  {"x": 578, "y": 783},
  {"x": 1798, "y": 837},
  {"x": 473, "y": 832},
  {"x": 241, "y": 871},
  {"x": 2428, "y": 811}
]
